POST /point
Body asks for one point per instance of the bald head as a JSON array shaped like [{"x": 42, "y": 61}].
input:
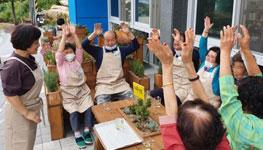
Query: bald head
[{"x": 110, "y": 38}]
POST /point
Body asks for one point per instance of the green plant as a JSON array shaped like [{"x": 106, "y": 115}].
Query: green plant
[
  {"x": 137, "y": 68},
  {"x": 51, "y": 57},
  {"x": 46, "y": 4},
  {"x": 50, "y": 79},
  {"x": 87, "y": 57}
]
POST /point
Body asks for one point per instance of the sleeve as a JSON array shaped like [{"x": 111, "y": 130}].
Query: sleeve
[
  {"x": 215, "y": 83},
  {"x": 132, "y": 47},
  {"x": 241, "y": 127},
  {"x": 59, "y": 58},
  {"x": 202, "y": 48},
  {"x": 79, "y": 55},
  {"x": 11, "y": 80},
  {"x": 91, "y": 49},
  {"x": 171, "y": 137}
]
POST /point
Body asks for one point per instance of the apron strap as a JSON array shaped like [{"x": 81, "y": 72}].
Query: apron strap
[{"x": 15, "y": 58}]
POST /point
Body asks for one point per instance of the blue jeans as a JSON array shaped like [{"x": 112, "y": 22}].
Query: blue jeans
[
  {"x": 104, "y": 98},
  {"x": 88, "y": 120}
]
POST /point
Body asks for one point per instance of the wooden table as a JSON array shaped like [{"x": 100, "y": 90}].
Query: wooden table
[{"x": 110, "y": 111}]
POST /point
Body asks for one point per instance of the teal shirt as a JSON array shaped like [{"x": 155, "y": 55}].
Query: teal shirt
[
  {"x": 244, "y": 130},
  {"x": 202, "y": 53}
]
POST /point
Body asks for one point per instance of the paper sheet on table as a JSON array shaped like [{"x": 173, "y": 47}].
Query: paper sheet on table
[{"x": 116, "y": 134}]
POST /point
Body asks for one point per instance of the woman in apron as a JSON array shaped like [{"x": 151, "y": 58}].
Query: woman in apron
[
  {"x": 22, "y": 83},
  {"x": 209, "y": 68},
  {"x": 75, "y": 92}
]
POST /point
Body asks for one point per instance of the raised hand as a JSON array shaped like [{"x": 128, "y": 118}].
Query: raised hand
[
  {"x": 155, "y": 34},
  {"x": 72, "y": 29},
  {"x": 176, "y": 35},
  {"x": 124, "y": 27},
  {"x": 244, "y": 40},
  {"x": 227, "y": 39},
  {"x": 188, "y": 46},
  {"x": 207, "y": 23}
]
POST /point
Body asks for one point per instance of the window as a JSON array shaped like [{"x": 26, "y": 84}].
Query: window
[
  {"x": 126, "y": 10},
  {"x": 251, "y": 16},
  {"x": 142, "y": 11},
  {"x": 114, "y": 8},
  {"x": 220, "y": 12}
]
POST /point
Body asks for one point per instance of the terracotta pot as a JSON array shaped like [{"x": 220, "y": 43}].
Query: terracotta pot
[
  {"x": 122, "y": 38},
  {"x": 158, "y": 80},
  {"x": 144, "y": 81}
]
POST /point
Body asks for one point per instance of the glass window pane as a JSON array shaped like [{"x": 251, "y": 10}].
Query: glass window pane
[
  {"x": 126, "y": 10},
  {"x": 220, "y": 12},
  {"x": 251, "y": 16},
  {"x": 115, "y": 8},
  {"x": 142, "y": 11}
]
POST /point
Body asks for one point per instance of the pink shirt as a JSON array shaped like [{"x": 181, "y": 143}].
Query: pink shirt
[
  {"x": 172, "y": 139},
  {"x": 64, "y": 66}
]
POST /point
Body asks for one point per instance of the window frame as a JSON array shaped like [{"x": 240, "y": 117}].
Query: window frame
[{"x": 191, "y": 22}]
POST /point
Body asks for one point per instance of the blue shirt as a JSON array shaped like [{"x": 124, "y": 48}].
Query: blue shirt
[
  {"x": 97, "y": 52},
  {"x": 202, "y": 53}
]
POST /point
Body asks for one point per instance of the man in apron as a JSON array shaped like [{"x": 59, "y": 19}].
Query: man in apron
[
  {"x": 22, "y": 83},
  {"x": 110, "y": 84}
]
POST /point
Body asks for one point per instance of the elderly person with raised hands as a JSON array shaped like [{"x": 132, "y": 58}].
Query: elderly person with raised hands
[
  {"x": 195, "y": 124},
  {"x": 110, "y": 82},
  {"x": 241, "y": 109}
]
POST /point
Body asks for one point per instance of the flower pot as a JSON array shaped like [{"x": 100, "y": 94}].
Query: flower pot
[
  {"x": 53, "y": 98},
  {"x": 144, "y": 81},
  {"x": 158, "y": 80}
]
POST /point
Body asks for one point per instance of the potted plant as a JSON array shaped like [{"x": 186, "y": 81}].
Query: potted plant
[
  {"x": 137, "y": 74},
  {"x": 138, "y": 115},
  {"x": 158, "y": 79},
  {"x": 54, "y": 105},
  {"x": 51, "y": 61}
]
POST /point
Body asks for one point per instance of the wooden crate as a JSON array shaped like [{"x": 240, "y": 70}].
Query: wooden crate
[
  {"x": 144, "y": 81},
  {"x": 138, "y": 54},
  {"x": 55, "y": 117}
]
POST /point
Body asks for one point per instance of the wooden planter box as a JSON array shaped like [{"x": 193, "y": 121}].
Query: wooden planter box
[
  {"x": 126, "y": 69},
  {"x": 138, "y": 54},
  {"x": 49, "y": 35},
  {"x": 133, "y": 125},
  {"x": 144, "y": 81},
  {"x": 87, "y": 67},
  {"x": 52, "y": 68},
  {"x": 158, "y": 80},
  {"x": 55, "y": 114}
]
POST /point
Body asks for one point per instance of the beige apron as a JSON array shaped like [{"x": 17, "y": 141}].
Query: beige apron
[
  {"x": 76, "y": 94},
  {"x": 20, "y": 133},
  {"x": 110, "y": 78},
  {"x": 182, "y": 85},
  {"x": 206, "y": 79}
]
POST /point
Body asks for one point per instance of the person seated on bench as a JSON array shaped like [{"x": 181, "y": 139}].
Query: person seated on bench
[
  {"x": 75, "y": 92},
  {"x": 110, "y": 82}
]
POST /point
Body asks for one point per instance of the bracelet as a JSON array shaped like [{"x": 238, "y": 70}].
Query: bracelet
[
  {"x": 206, "y": 32},
  {"x": 167, "y": 84},
  {"x": 194, "y": 79}
]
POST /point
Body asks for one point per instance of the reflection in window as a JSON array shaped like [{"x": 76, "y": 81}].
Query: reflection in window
[
  {"x": 251, "y": 16},
  {"x": 126, "y": 10},
  {"x": 115, "y": 8},
  {"x": 220, "y": 12},
  {"x": 142, "y": 11}
]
